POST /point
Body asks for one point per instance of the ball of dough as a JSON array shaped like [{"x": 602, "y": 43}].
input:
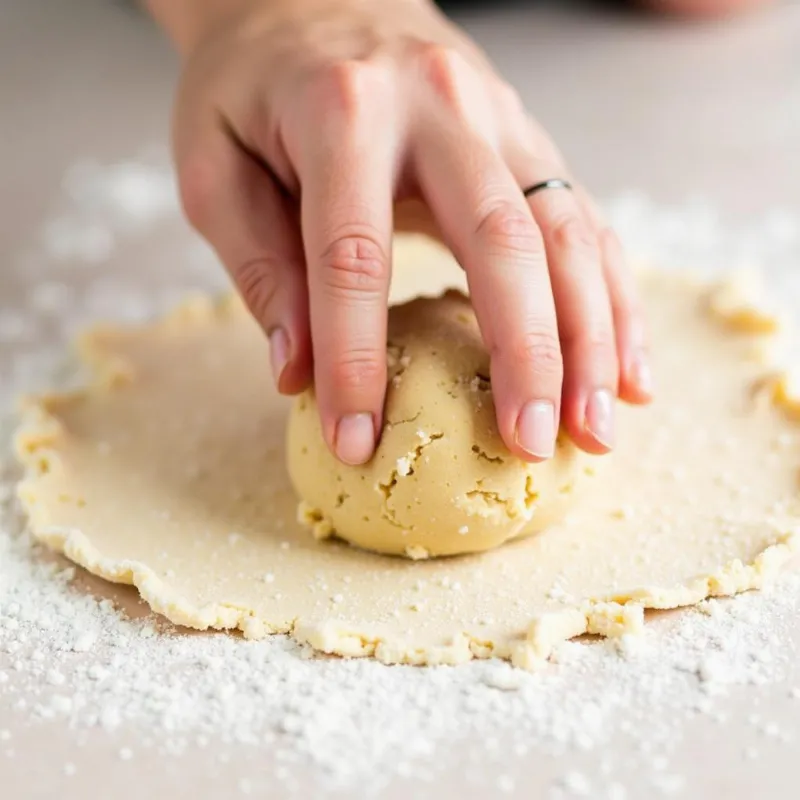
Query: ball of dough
[{"x": 442, "y": 481}]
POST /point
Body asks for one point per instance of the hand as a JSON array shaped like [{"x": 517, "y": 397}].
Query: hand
[{"x": 298, "y": 125}]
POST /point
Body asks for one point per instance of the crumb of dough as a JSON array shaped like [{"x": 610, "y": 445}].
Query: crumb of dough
[
  {"x": 740, "y": 301},
  {"x": 417, "y": 553}
]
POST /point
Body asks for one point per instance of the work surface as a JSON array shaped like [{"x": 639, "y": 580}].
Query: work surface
[{"x": 702, "y": 120}]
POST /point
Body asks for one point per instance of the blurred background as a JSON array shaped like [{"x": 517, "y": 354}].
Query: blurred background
[{"x": 673, "y": 108}]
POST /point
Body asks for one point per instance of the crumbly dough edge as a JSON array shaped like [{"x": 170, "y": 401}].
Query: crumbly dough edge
[{"x": 612, "y": 616}]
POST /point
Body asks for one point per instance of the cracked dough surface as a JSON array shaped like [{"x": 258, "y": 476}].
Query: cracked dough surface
[
  {"x": 442, "y": 482},
  {"x": 169, "y": 473}
]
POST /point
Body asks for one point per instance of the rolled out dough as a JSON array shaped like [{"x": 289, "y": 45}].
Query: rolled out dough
[
  {"x": 442, "y": 481},
  {"x": 168, "y": 472}
]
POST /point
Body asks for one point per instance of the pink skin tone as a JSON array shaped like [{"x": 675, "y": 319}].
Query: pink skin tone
[{"x": 299, "y": 127}]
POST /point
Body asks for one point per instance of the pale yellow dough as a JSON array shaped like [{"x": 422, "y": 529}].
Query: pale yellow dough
[
  {"x": 169, "y": 473},
  {"x": 442, "y": 481}
]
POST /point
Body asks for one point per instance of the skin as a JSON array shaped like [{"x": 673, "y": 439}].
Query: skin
[{"x": 305, "y": 130}]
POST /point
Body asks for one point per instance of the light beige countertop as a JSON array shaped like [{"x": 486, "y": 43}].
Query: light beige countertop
[{"x": 704, "y": 120}]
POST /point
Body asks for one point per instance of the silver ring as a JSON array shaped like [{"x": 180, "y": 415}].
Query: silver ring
[{"x": 553, "y": 183}]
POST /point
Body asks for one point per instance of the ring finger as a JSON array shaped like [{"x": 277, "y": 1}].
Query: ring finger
[{"x": 583, "y": 308}]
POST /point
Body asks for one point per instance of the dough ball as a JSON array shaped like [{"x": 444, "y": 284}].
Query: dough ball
[{"x": 442, "y": 481}]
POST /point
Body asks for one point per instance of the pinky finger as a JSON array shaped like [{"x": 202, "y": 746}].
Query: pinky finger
[{"x": 635, "y": 374}]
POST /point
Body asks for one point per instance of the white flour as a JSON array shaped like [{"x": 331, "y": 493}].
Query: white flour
[{"x": 67, "y": 657}]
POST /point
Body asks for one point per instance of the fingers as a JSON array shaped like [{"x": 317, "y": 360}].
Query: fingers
[
  {"x": 346, "y": 166},
  {"x": 487, "y": 223},
  {"x": 635, "y": 375},
  {"x": 585, "y": 321},
  {"x": 236, "y": 205}
]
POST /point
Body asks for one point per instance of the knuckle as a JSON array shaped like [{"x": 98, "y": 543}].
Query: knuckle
[
  {"x": 540, "y": 348},
  {"x": 570, "y": 232},
  {"x": 356, "y": 266},
  {"x": 349, "y": 87},
  {"x": 445, "y": 71},
  {"x": 198, "y": 182},
  {"x": 507, "y": 229},
  {"x": 510, "y": 99},
  {"x": 259, "y": 284},
  {"x": 601, "y": 349},
  {"x": 609, "y": 241},
  {"x": 596, "y": 349},
  {"x": 358, "y": 369}
]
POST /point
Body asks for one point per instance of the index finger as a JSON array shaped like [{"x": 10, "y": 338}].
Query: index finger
[{"x": 346, "y": 170}]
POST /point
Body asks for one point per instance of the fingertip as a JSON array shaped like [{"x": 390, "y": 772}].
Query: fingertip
[
  {"x": 354, "y": 438},
  {"x": 295, "y": 378},
  {"x": 637, "y": 384},
  {"x": 536, "y": 429},
  {"x": 632, "y": 394},
  {"x": 528, "y": 411},
  {"x": 600, "y": 419},
  {"x": 291, "y": 360},
  {"x": 589, "y": 420}
]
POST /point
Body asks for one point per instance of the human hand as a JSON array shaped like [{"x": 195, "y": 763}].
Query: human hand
[{"x": 299, "y": 124}]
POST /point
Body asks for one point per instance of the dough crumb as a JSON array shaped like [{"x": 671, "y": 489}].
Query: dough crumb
[
  {"x": 404, "y": 466},
  {"x": 505, "y": 678},
  {"x": 321, "y": 527},
  {"x": 741, "y": 302},
  {"x": 416, "y": 552}
]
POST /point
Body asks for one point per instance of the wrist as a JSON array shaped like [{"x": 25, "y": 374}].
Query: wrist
[{"x": 187, "y": 22}]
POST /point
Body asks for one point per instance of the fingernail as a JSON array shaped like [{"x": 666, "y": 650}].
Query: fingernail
[
  {"x": 278, "y": 352},
  {"x": 641, "y": 374},
  {"x": 536, "y": 428},
  {"x": 355, "y": 439},
  {"x": 600, "y": 417}
]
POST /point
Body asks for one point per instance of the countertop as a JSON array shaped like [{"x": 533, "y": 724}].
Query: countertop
[{"x": 675, "y": 111}]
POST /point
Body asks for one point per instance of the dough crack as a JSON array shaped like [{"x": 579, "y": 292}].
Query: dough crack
[
  {"x": 405, "y": 467},
  {"x": 484, "y": 456},
  {"x": 394, "y": 423},
  {"x": 531, "y": 496},
  {"x": 493, "y": 502},
  {"x": 479, "y": 382}
]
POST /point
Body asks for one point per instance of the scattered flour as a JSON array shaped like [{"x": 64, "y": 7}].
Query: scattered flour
[{"x": 70, "y": 658}]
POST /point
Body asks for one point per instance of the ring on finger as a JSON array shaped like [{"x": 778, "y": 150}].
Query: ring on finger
[{"x": 550, "y": 183}]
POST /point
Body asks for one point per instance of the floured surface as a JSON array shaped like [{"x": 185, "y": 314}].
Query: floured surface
[{"x": 173, "y": 478}]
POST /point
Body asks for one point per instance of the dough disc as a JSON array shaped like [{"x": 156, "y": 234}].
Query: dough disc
[
  {"x": 169, "y": 473},
  {"x": 441, "y": 482}
]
